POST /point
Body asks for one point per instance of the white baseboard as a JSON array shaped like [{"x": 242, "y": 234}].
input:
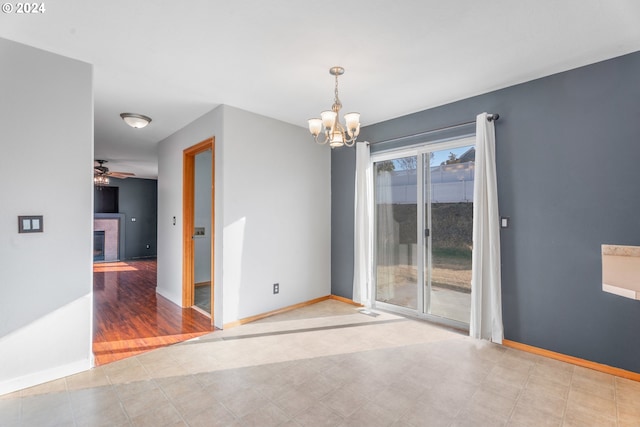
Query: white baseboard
[{"x": 42, "y": 377}]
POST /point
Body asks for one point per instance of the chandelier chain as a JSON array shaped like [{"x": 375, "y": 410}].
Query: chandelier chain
[{"x": 337, "y": 99}]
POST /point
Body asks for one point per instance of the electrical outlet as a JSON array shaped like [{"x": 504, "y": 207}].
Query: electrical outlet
[{"x": 276, "y": 288}]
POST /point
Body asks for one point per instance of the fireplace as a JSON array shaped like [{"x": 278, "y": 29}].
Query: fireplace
[
  {"x": 108, "y": 237},
  {"x": 98, "y": 246}
]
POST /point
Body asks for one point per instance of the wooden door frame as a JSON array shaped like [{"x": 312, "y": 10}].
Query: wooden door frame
[{"x": 188, "y": 210}]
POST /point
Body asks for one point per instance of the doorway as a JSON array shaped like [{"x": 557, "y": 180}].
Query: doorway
[
  {"x": 198, "y": 226},
  {"x": 424, "y": 229}
]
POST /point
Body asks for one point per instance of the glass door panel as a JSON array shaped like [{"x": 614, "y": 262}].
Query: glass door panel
[
  {"x": 448, "y": 196},
  {"x": 396, "y": 230}
]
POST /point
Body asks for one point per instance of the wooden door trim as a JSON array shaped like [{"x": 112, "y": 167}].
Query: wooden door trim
[{"x": 188, "y": 207}]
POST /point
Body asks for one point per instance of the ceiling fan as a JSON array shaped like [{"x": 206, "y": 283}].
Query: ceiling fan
[{"x": 102, "y": 170}]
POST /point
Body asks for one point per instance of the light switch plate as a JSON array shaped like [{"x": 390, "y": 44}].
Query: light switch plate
[{"x": 30, "y": 224}]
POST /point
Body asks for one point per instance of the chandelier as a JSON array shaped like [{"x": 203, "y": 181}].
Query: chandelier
[
  {"x": 335, "y": 133},
  {"x": 100, "y": 180}
]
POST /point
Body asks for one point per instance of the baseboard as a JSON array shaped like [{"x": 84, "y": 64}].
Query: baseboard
[
  {"x": 288, "y": 308},
  {"x": 273, "y": 312},
  {"x": 573, "y": 360},
  {"x": 345, "y": 300},
  {"x": 176, "y": 299},
  {"x": 41, "y": 377}
]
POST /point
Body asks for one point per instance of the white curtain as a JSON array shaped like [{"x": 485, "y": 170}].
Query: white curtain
[
  {"x": 363, "y": 223},
  {"x": 387, "y": 244},
  {"x": 486, "y": 304}
]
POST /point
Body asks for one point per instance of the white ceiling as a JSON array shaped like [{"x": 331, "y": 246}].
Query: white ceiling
[{"x": 175, "y": 61}]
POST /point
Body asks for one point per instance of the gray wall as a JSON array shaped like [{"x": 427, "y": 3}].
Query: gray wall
[
  {"x": 567, "y": 157},
  {"x": 343, "y": 163},
  {"x": 139, "y": 200}
]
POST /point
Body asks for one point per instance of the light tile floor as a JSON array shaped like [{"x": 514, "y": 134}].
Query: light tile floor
[{"x": 330, "y": 365}]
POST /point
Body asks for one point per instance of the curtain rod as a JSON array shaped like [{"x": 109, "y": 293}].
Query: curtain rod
[{"x": 490, "y": 117}]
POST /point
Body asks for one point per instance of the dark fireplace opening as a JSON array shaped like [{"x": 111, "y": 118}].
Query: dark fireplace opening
[{"x": 98, "y": 245}]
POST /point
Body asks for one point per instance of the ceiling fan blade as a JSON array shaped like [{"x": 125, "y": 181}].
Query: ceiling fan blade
[{"x": 121, "y": 175}]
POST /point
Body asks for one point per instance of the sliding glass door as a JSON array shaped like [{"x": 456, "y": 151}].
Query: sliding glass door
[
  {"x": 448, "y": 195},
  {"x": 423, "y": 230},
  {"x": 396, "y": 231}
]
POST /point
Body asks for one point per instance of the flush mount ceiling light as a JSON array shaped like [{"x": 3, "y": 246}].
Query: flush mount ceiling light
[
  {"x": 335, "y": 133},
  {"x": 137, "y": 121}
]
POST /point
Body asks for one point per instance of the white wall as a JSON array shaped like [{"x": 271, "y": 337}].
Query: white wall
[
  {"x": 170, "y": 152},
  {"x": 272, "y": 213},
  {"x": 46, "y": 118},
  {"x": 277, "y": 215}
]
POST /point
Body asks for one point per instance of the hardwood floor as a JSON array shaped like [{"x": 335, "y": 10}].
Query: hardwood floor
[{"x": 131, "y": 318}]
